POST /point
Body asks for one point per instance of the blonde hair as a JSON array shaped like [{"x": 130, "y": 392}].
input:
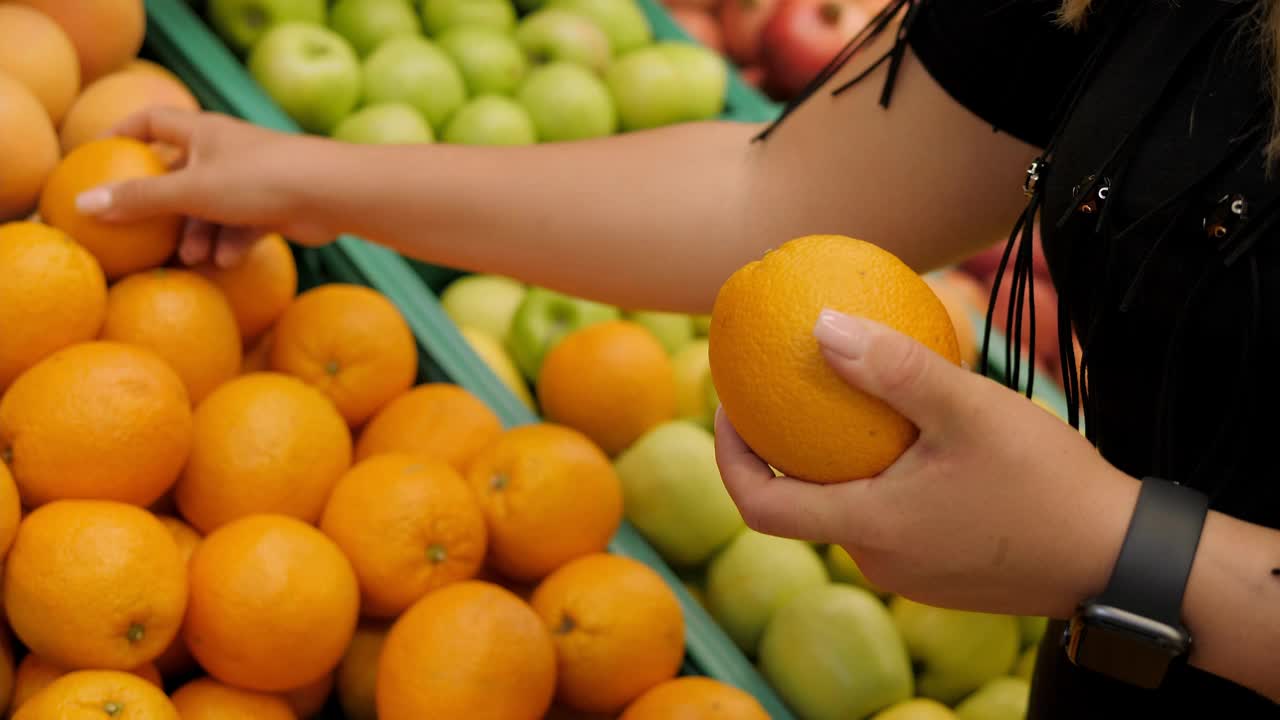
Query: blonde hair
[{"x": 1073, "y": 13}]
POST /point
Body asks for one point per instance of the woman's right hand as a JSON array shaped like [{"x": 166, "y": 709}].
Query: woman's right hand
[{"x": 234, "y": 182}]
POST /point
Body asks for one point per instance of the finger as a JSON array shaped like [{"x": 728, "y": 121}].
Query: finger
[
  {"x": 774, "y": 505},
  {"x": 139, "y": 199},
  {"x": 159, "y": 124},
  {"x": 197, "y": 241},
  {"x": 233, "y": 244},
  {"x": 910, "y": 377}
]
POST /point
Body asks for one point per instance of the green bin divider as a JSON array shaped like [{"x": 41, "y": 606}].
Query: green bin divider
[{"x": 181, "y": 41}]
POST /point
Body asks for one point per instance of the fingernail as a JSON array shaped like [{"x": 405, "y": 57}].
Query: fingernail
[
  {"x": 840, "y": 334},
  {"x": 94, "y": 201}
]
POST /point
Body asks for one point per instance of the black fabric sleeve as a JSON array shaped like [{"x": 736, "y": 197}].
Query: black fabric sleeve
[{"x": 1007, "y": 61}]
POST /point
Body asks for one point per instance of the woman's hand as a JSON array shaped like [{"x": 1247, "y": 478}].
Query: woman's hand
[
  {"x": 998, "y": 507},
  {"x": 233, "y": 181}
]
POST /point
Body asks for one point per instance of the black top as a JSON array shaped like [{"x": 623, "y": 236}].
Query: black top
[{"x": 1175, "y": 297}]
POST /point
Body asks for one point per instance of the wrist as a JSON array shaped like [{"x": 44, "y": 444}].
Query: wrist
[{"x": 1107, "y": 516}]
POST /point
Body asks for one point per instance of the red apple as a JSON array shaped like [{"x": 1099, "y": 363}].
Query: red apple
[
  {"x": 752, "y": 75},
  {"x": 803, "y": 36},
  {"x": 743, "y": 22},
  {"x": 986, "y": 262},
  {"x": 700, "y": 25}
]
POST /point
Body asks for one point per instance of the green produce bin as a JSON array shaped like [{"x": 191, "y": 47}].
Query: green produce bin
[{"x": 178, "y": 39}]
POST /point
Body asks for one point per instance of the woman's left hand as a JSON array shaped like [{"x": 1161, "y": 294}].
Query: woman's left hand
[{"x": 998, "y": 506}]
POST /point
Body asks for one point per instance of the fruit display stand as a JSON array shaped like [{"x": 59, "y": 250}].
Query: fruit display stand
[{"x": 178, "y": 39}]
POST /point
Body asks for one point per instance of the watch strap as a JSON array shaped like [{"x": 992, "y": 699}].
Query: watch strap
[{"x": 1151, "y": 572}]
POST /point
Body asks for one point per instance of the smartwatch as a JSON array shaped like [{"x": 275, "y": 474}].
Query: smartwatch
[{"x": 1133, "y": 631}]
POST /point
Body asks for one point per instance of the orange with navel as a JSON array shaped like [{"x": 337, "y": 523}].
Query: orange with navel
[
  {"x": 469, "y": 650},
  {"x": 260, "y": 287},
  {"x": 39, "y": 54},
  {"x": 97, "y": 420},
  {"x": 35, "y": 673},
  {"x": 53, "y": 295},
  {"x": 208, "y": 699},
  {"x": 98, "y": 694},
  {"x": 263, "y": 443},
  {"x": 121, "y": 248},
  {"x": 28, "y": 145},
  {"x": 618, "y": 630},
  {"x": 94, "y": 584},
  {"x": 612, "y": 381},
  {"x": 549, "y": 496},
  {"x": 349, "y": 342},
  {"x": 273, "y": 605},
  {"x": 774, "y": 384},
  {"x": 695, "y": 698},
  {"x": 184, "y": 318},
  {"x": 409, "y": 525},
  {"x": 110, "y": 100},
  {"x": 435, "y": 420}
]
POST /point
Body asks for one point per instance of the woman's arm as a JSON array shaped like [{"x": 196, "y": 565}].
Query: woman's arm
[{"x": 654, "y": 219}]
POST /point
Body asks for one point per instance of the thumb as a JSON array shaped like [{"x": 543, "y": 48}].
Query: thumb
[
  {"x": 899, "y": 370},
  {"x": 138, "y": 199}
]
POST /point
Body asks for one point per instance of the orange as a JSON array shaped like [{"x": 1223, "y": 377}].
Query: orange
[
  {"x": 35, "y": 673},
  {"x": 208, "y": 699},
  {"x": 263, "y": 443},
  {"x": 617, "y": 627},
  {"x": 121, "y": 248},
  {"x": 549, "y": 496},
  {"x": 28, "y": 145},
  {"x": 10, "y": 510},
  {"x": 408, "y": 525},
  {"x": 776, "y": 387},
  {"x": 351, "y": 343},
  {"x": 695, "y": 698},
  {"x": 109, "y": 100},
  {"x": 260, "y": 287},
  {"x": 956, "y": 302},
  {"x": 100, "y": 51},
  {"x": 470, "y": 650},
  {"x": 257, "y": 356},
  {"x": 96, "y": 420},
  {"x": 612, "y": 381},
  {"x": 184, "y": 319},
  {"x": 53, "y": 295},
  {"x": 141, "y": 65},
  {"x": 273, "y": 604},
  {"x": 176, "y": 660},
  {"x": 308, "y": 700},
  {"x": 436, "y": 420},
  {"x": 358, "y": 674},
  {"x": 560, "y": 712},
  {"x": 98, "y": 695},
  {"x": 95, "y": 584},
  {"x": 39, "y": 54}
]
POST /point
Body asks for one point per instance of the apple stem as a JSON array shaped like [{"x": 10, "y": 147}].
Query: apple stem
[{"x": 830, "y": 12}]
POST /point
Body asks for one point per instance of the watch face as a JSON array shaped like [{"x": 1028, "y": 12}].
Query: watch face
[{"x": 1124, "y": 646}]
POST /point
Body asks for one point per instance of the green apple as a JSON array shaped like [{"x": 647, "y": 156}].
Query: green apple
[
  {"x": 754, "y": 576},
  {"x": 832, "y": 653},
  {"x": 490, "y": 60},
  {"x": 485, "y": 302},
  {"x": 622, "y": 20},
  {"x": 702, "y": 325},
  {"x": 441, "y": 15},
  {"x": 647, "y": 88},
  {"x": 241, "y": 23},
  {"x": 416, "y": 71},
  {"x": 385, "y": 124},
  {"x": 491, "y": 120},
  {"x": 916, "y": 709},
  {"x": 543, "y": 319},
  {"x": 1032, "y": 629},
  {"x": 499, "y": 362},
  {"x": 673, "y": 493},
  {"x": 310, "y": 71},
  {"x": 1004, "y": 698},
  {"x": 557, "y": 34},
  {"x": 567, "y": 102},
  {"x": 843, "y": 569},
  {"x": 1026, "y": 666},
  {"x": 694, "y": 389},
  {"x": 673, "y": 330},
  {"x": 956, "y": 651},
  {"x": 706, "y": 78},
  {"x": 367, "y": 23}
]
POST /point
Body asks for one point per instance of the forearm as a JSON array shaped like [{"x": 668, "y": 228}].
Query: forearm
[
  {"x": 654, "y": 220},
  {"x": 1232, "y": 604}
]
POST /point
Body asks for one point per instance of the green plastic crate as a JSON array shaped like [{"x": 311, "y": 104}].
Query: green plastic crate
[{"x": 177, "y": 38}]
